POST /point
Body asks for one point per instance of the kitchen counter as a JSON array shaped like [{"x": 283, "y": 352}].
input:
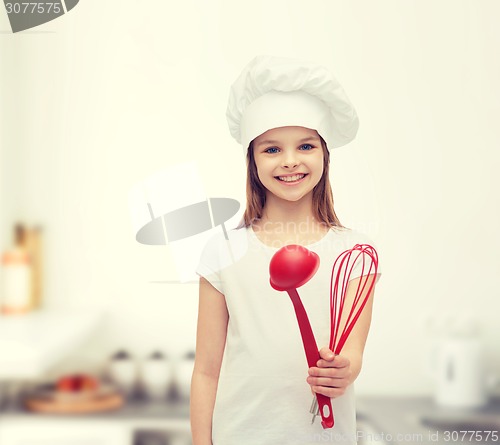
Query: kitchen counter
[
  {"x": 134, "y": 413},
  {"x": 414, "y": 420},
  {"x": 382, "y": 420}
]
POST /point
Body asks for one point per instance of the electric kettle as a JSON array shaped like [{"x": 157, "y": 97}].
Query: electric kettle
[{"x": 459, "y": 372}]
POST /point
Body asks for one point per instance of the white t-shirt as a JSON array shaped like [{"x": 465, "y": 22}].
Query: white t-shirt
[{"x": 262, "y": 396}]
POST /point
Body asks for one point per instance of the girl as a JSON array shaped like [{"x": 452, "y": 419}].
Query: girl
[{"x": 250, "y": 384}]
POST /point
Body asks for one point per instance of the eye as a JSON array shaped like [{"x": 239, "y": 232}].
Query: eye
[
  {"x": 306, "y": 147},
  {"x": 271, "y": 150}
]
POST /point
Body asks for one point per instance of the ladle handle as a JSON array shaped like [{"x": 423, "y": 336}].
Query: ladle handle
[
  {"x": 312, "y": 355},
  {"x": 325, "y": 410}
]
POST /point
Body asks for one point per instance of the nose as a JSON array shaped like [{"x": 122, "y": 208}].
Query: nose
[{"x": 290, "y": 159}]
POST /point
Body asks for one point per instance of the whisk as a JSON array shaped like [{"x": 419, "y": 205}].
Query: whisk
[
  {"x": 341, "y": 275},
  {"x": 291, "y": 267}
]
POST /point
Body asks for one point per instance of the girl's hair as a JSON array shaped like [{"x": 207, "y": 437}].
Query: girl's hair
[{"x": 322, "y": 200}]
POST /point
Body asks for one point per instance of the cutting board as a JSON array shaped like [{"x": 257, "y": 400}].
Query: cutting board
[{"x": 100, "y": 401}]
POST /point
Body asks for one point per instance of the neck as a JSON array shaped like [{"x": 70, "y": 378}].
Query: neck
[
  {"x": 289, "y": 217},
  {"x": 278, "y": 210}
]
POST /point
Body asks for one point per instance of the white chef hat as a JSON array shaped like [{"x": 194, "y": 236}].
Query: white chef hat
[{"x": 274, "y": 92}]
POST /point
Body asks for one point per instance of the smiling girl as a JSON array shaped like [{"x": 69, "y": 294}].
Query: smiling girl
[
  {"x": 251, "y": 384},
  {"x": 289, "y": 170}
]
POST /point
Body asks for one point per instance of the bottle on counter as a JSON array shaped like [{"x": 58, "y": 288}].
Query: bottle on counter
[
  {"x": 16, "y": 283},
  {"x": 34, "y": 248}
]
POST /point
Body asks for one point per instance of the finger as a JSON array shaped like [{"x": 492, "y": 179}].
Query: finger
[
  {"x": 328, "y": 382},
  {"x": 326, "y": 354},
  {"x": 329, "y": 392},
  {"x": 339, "y": 361},
  {"x": 334, "y": 373}
]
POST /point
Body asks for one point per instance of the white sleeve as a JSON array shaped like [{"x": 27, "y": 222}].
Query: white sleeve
[
  {"x": 220, "y": 254},
  {"x": 209, "y": 266}
]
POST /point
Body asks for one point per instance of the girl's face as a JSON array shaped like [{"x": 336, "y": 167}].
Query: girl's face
[{"x": 289, "y": 161}]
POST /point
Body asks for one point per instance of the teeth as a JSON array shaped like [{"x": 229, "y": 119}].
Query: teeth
[{"x": 290, "y": 178}]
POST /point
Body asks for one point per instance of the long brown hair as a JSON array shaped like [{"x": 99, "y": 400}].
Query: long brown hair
[{"x": 322, "y": 200}]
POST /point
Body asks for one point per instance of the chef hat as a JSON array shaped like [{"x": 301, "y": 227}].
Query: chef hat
[{"x": 276, "y": 92}]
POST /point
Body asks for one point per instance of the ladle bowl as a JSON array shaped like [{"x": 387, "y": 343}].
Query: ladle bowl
[{"x": 292, "y": 266}]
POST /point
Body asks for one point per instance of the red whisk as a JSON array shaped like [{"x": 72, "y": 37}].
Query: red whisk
[
  {"x": 341, "y": 275},
  {"x": 294, "y": 265}
]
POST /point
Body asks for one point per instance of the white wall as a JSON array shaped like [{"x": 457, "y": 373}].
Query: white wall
[{"x": 98, "y": 100}]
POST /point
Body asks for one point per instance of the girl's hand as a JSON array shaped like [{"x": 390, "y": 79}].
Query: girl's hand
[{"x": 332, "y": 374}]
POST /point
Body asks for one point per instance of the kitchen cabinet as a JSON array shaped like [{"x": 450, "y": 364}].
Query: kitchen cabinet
[
  {"x": 67, "y": 432},
  {"x": 136, "y": 423}
]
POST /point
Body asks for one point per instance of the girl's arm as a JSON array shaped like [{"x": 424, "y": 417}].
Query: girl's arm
[
  {"x": 355, "y": 345},
  {"x": 333, "y": 374},
  {"x": 210, "y": 341}
]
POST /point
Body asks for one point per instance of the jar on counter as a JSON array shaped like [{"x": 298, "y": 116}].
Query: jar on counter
[
  {"x": 156, "y": 376},
  {"x": 123, "y": 372}
]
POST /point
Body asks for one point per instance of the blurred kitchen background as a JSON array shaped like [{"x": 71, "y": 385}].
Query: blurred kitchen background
[{"x": 102, "y": 98}]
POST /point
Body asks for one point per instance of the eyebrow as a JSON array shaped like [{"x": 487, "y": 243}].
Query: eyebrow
[{"x": 307, "y": 139}]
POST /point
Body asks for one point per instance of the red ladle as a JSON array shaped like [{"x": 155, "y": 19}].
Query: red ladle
[{"x": 291, "y": 267}]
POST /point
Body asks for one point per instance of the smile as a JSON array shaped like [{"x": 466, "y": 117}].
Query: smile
[{"x": 291, "y": 178}]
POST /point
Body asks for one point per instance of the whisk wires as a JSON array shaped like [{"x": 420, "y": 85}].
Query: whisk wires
[{"x": 341, "y": 276}]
